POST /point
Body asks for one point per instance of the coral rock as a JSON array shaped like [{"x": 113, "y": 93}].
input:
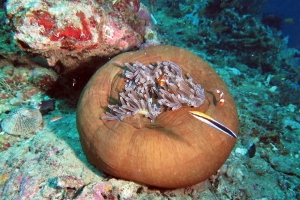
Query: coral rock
[
  {"x": 22, "y": 121},
  {"x": 72, "y": 31},
  {"x": 176, "y": 150}
]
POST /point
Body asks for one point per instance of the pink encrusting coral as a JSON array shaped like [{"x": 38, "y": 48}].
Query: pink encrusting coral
[{"x": 72, "y": 31}]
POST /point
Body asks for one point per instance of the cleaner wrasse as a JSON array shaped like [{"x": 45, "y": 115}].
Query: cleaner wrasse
[{"x": 213, "y": 123}]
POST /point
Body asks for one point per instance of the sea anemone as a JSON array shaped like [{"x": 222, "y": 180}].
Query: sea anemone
[{"x": 136, "y": 124}]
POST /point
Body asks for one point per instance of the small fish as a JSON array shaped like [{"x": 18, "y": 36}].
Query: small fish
[
  {"x": 213, "y": 123},
  {"x": 162, "y": 80},
  {"x": 55, "y": 118},
  {"x": 251, "y": 151},
  {"x": 221, "y": 97},
  {"x": 289, "y": 20}
]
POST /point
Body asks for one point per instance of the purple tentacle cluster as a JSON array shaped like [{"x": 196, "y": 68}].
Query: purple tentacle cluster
[{"x": 150, "y": 88}]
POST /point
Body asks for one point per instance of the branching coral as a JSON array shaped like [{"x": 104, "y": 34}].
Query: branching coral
[
  {"x": 4, "y": 85},
  {"x": 253, "y": 7}
]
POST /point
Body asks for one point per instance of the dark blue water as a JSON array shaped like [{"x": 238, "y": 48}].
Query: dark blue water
[{"x": 287, "y": 9}]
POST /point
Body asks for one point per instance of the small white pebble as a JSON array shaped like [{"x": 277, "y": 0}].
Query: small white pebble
[
  {"x": 273, "y": 89},
  {"x": 241, "y": 151},
  {"x": 235, "y": 71}
]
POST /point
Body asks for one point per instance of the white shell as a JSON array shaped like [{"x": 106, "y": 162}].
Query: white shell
[{"x": 22, "y": 121}]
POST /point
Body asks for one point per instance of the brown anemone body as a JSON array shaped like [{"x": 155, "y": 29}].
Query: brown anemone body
[{"x": 176, "y": 150}]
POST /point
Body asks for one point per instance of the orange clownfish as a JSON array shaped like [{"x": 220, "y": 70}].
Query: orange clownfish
[
  {"x": 221, "y": 97},
  {"x": 161, "y": 81}
]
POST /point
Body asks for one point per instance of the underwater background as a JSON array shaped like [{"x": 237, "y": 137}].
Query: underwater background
[{"x": 253, "y": 45}]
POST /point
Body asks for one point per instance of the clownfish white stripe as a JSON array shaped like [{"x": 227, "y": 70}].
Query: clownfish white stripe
[{"x": 213, "y": 123}]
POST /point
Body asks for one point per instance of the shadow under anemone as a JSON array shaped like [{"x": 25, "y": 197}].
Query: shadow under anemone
[{"x": 172, "y": 150}]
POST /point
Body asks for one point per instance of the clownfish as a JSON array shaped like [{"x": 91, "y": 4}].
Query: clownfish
[
  {"x": 162, "y": 81},
  {"x": 213, "y": 123}
]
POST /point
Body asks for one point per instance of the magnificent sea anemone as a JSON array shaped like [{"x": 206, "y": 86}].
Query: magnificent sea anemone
[{"x": 134, "y": 121}]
